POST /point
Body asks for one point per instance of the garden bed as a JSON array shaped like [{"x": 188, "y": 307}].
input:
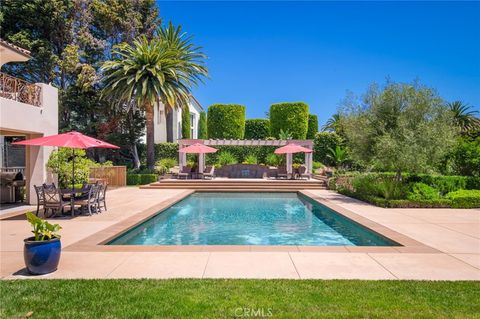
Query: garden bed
[{"x": 412, "y": 191}]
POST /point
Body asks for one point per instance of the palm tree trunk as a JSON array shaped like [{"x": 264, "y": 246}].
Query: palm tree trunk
[
  {"x": 150, "y": 136},
  {"x": 169, "y": 120}
]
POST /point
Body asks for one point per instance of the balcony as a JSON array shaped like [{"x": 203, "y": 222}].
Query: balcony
[{"x": 19, "y": 90}]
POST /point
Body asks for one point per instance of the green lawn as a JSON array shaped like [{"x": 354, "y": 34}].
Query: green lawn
[{"x": 235, "y": 298}]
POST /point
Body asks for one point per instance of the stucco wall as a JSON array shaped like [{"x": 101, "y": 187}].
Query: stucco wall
[{"x": 23, "y": 119}]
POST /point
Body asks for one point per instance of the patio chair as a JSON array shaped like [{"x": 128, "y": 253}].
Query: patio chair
[
  {"x": 52, "y": 199},
  {"x": 302, "y": 173},
  {"x": 185, "y": 172},
  {"x": 91, "y": 202},
  {"x": 40, "y": 199},
  {"x": 209, "y": 171},
  {"x": 101, "y": 197},
  {"x": 282, "y": 172}
]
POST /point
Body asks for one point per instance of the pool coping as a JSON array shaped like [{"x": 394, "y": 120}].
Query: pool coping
[{"x": 96, "y": 242}]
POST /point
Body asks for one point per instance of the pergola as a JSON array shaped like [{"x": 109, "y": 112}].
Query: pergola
[{"x": 182, "y": 160}]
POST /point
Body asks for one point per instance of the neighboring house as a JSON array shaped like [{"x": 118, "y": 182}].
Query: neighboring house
[
  {"x": 160, "y": 128},
  {"x": 27, "y": 110}
]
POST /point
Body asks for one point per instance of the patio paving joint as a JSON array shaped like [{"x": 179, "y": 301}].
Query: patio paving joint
[
  {"x": 391, "y": 273},
  {"x": 294, "y": 266}
]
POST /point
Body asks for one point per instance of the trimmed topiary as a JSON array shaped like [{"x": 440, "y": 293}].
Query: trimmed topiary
[
  {"x": 291, "y": 117},
  {"x": 312, "y": 126},
  {"x": 257, "y": 129},
  {"x": 202, "y": 126},
  {"x": 186, "y": 125},
  {"x": 226, "y": 121}
]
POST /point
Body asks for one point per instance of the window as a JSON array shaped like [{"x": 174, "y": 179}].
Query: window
[
  {"x": 179, "y": 132},
  {"x": 192, "y": 126},
  {"x": 159, "y": 116}
]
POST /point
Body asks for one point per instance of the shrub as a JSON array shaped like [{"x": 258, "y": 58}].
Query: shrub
[
  {"x": 226, "y": 158},
  {"x": 164, "y": 165},
  {"x": 465, "y": 198},
  {"x": 166, "y": 150},
  {"x": 148, "y": 178},
  {"x": 291, "y": 117},
  {"x": 421, "y": 191},
  {"x": 465, "y": 157},
  {"x": 186, "y": 125},
  {"x": 272, "y": 160},
  {"x": 133, "y": 179},
  {"x": 250, "y": 159},
  {"x": 202, "y": 126},
  {"x": 141, "y": 179},
  {"x": 226, "y": 121},
  {"x": 60, "y": 162},
  {"x": 312, "y": 126},
  {"x": 317, "y": 165},
  {"x": 257, "y": 129},
  {"x": 323, "y": 142}
]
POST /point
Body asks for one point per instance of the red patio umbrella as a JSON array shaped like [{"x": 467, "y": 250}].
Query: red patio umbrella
[
  {"x": 292, "y": 148},
  {"x": 198, "y": 148},
  {"x": 71, "y": 139}
]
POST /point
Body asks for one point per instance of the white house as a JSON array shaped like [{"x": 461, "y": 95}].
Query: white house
[
  {"x": 160, "y": 128},
  {"x": 27, "y": 110}
]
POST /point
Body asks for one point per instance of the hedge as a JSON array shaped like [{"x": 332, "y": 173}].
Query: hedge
[
  {"x": 257, "y": 129},
  {"x": 186, "y": 125},
  {"x": 312, "y": 126},
  {"x": 202, "y": 126},
  {"x": 241, "y": 153},
  {"x": 291, "y": 117},
  {"x": 452, "y": 191},
  {"x": 226, "y": 121},
  {"x": 322, "y": 143},
  {"x": 141, "y": 179},
  {"x": 166, "y": 150}
]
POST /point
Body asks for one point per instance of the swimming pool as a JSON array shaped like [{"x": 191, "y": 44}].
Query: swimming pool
[{"x": 250, "y": 219}]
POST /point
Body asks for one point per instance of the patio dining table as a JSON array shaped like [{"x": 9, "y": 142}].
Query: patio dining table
[{"x": 72, "y": 193}]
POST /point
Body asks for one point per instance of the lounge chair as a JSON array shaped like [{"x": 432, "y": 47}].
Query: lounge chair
[
  {"x": 185, "y": 172},
  {"x": 209, "y": 171},
  {"x": 302, "y": 173},
  {"x": 282, "y": 172}
]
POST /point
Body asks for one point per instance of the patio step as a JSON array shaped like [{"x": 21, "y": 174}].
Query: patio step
[{"x": 222, "y": 185}]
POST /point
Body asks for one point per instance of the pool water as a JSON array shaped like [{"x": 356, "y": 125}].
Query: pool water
[{"x": 250, "y": 219}]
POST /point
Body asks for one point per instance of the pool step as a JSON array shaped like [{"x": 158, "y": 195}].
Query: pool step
[{"x": 223, "y": 185}]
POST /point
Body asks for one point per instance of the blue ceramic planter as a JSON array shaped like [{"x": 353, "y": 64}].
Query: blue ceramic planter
[{"x": 42, "y": 257}]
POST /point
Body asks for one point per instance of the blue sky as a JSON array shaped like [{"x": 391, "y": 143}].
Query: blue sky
[{"x": 266, "y": 52}]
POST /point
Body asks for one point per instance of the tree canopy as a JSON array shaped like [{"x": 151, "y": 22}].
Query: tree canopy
[{"x": 399, "y": 127}]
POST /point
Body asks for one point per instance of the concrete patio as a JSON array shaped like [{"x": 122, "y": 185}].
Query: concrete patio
[{"x": 449, "y": 247}]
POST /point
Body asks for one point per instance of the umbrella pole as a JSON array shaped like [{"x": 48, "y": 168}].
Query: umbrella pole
[{"x": 73, "y": 169}]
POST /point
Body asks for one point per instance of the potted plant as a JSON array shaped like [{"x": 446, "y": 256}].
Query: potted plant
[{"x": 42, "y": 251}]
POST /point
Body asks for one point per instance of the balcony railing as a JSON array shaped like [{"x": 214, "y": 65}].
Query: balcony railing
[{"x": 19, "y": 90}]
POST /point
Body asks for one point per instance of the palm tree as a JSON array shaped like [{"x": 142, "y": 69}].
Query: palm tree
[
  {"x": 338, "y": 155},
  {"x": 332, "y": 124},
  {"x": 192, "y": 60},
  {"x": 151, "y": 70},
  {"x": 464, "y": 116}
]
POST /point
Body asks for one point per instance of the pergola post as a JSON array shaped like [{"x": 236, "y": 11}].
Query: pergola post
[
  {"x": 289, "y": 163},
  {"x": 309, "y": 162},
  {"x": 201, "y": 162}
]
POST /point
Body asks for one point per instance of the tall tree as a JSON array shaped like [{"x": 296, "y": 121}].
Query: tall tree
[
  {"x": 464, "y": 116},
  {"x": 153, "y": 69},
  {"x": 401, "y": 127},
  {"x": 69, "y": 40},
  {"x": 193, "y": 60}
]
